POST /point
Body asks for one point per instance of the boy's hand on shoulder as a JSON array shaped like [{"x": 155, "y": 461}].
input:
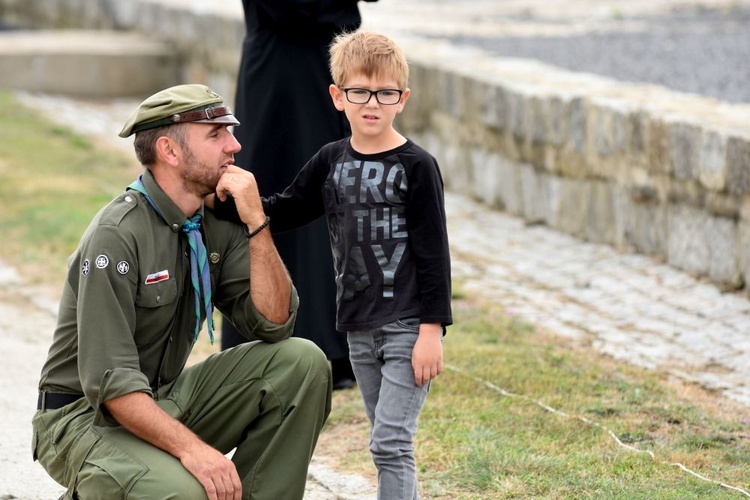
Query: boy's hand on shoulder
[{"x": 427, "y": 356}]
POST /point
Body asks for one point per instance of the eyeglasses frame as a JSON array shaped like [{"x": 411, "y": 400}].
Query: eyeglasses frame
[{"x": 371, "y": 93}]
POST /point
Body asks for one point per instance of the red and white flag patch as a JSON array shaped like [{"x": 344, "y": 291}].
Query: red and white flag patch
[{"x": 157, "y": 277}]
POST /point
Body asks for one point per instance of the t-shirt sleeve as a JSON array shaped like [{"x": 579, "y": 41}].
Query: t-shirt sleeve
[
  {"x": 426, "y": 221},
  {"x": 302, "y": 201}
]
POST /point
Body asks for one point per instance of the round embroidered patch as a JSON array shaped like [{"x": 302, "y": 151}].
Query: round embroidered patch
[
  {"x": 123, "y": 267},
  {"x": 85, "y": 267},
  {"x": 102, "y": 261}
]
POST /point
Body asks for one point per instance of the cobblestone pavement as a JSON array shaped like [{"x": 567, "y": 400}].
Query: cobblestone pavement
[{"x": 627, "y": 306}]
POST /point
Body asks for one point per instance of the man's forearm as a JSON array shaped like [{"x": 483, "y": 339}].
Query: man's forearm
[
  {"x": 140, "y": 414},
  {"x": 270, "y": 285}
]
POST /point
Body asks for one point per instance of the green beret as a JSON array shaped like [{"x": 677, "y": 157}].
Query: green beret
[{"x": 180, "y": 104}]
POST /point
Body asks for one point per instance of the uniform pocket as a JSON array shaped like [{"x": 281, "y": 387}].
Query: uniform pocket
[
  {"x": 102, "y": 467},
  {"x": 56, "y": 432},
  {"x": 156, "y": 294},
  {"x": 77, "y": 454}
]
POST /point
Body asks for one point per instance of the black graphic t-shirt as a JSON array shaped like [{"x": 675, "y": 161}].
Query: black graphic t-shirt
[{"x": 386, "y": 221}]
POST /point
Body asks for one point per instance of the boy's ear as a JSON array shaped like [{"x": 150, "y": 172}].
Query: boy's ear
[
  {"x": 402, "y": 102},
  {"x": 337, "y": 95}
]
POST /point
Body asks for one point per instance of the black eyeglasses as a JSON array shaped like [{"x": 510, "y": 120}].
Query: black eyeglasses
[{"x": 363, "y": 96}]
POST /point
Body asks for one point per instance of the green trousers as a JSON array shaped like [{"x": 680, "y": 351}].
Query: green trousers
[{"x": 269, "y": 401}]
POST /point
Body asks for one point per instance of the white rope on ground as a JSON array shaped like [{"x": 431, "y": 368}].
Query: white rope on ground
[{"x": 548, "y": 408}]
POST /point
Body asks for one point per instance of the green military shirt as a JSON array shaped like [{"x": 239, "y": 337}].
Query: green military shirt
[{"x": 127, "y": 315}]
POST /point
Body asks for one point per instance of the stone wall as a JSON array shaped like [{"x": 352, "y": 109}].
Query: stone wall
[{"x": 637, "y": 167}]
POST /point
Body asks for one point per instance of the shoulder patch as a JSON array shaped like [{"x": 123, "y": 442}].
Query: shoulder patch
[
  {"x": 123, "y": 267},
  {"x": 118, "y": 208}
]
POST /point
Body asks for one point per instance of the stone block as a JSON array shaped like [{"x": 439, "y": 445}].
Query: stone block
[
  {"x": 447, "y": 88},
  {"x": 724, "y": 267},
  {"x": 688, "y": 248},
  {"x": 637, "y": 133},
  {"x": 535, "y": 123},
  {"x": 517, "y": 101},
  {"x": 485, "y": 175},
  {"x": 499, "y": 110},
  {"x": 600, "y": 220},
  {"x": 508, "y": 188},
  {"x": 533, "y": 193},
  {"x": 469, "y": 105},
  {"x": 657, "y": 145},
  {"x": 738, "y": 165},
  {"x": 602, "y": 128},
  {"x": 648, "y": 229},
  {"x": 571, "y": 206},
  {"x": 622, "y": 206},
  {"x": 743, "y": 237},
  {"x": 722, "y": 205},
  {"x": 712, "y": 167},
  {"x": 684, "y": 150},
  {"x": 577, "y": 128},
  {"x": 88, "y": 63},
  {"x": 489, "y": 107},
  {"x": 417, "y": 112},
  {"x": 555, "y": 117}
]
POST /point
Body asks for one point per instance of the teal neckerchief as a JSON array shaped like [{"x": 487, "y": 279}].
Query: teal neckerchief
[{"x": 198, "y": 264}]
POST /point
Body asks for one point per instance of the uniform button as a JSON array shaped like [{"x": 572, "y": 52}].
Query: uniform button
[
  {"x": 175, "y": 226},
  {"x": 158, "y": 298},
  {"x": 128, "y": 199}
]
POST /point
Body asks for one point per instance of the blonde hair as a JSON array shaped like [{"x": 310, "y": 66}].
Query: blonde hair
[{"x": 367, "y": 53}]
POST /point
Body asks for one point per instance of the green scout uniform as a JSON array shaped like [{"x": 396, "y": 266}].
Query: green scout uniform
[{"x": 126, "y": 323}]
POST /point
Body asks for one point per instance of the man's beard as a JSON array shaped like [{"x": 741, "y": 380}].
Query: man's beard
[{"x": 198, "y": 178}]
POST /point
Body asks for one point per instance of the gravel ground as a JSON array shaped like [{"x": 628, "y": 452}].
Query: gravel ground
[{"x": 696, "y": 50}]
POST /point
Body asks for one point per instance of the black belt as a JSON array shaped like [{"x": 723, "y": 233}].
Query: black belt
[{"x": 54, "y": 400}]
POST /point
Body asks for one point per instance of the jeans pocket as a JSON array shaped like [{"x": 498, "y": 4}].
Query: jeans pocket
[{"x": 410, "y": 324}]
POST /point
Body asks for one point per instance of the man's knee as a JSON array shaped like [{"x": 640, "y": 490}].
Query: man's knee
[
  {"x": 299, "y": 367},
  {"x": 305, "y": 353}
]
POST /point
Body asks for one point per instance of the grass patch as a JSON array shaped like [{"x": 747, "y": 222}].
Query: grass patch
[
  {"x": 474, "y": 442},
  {"x": 52, "y": 183}
]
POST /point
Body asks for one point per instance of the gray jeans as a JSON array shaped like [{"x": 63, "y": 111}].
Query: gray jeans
[{"x": 381, "y": 359}]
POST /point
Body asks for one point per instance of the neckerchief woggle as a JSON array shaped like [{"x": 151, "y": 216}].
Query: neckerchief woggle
[{"x": 198, "y": 263}]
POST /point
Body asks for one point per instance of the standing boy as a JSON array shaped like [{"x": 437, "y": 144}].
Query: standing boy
[{"x": 382, "y": 196}]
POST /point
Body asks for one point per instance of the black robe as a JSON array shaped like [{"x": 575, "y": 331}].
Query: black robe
[{"x": 286, "y": 116}]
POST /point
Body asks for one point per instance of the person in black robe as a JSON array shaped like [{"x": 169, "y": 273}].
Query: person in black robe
[{"x": 287, "y": 115}]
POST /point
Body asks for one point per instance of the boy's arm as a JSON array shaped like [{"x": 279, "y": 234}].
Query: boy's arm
[
  {"x": 299, "y": 204},
  {"x": 427, "y": 355},
  {"x": 428, "y": 237},
  {"x": 428, "y": 240}
]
